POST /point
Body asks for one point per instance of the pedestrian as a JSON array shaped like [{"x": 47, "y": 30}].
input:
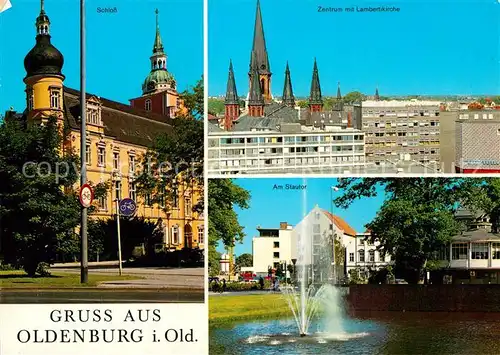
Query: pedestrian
[
  {"x": 223, "y": 285},
  {"x": 261, "y": 282}
]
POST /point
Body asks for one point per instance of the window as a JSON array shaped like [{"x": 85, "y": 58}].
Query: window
[
  {"x": 361, "y": 256},
  {"x": 459, "y": 251},
  {"x": 371, "y": 256},
  {"x": 132, "y": 191},
  {"x": 131, "y": 163},
  {"x": 351, "y": 257},
  {"x": 495, "y": 251},
  {"x": 118, "y": 190},
  {"x": 175, "y": 196},
  {"x": 148, "y": 105},
  {"x": 88, "y": 154},
  {"x": 175, "y": 234},
  {"x": 147, "y": 200},
  {"x": 276, "y": 255},
  {"x": 188, "y": 207},
  {"x": 30, "y": 97},
  {"x": 316, "y": 228},
  {"x": 161, "y": 201},
  {"x": 116, "y": 160},
  {"x": 201, "y": 234},
  {"x": 480, "y": 251},
  {"x": 55, "y": 99},
  {"x": 103, "y": 202},
  {"x": 101, "y": 156},
  {"x": 276, "y": 244}
]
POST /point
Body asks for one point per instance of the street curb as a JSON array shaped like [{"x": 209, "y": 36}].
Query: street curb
[{"x": 103, "y": 289}]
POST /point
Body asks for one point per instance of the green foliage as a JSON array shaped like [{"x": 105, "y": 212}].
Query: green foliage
[
  {"x": 353, "y": 97},
  {"x": 302, "y": 104},
  {"x": 381, "y": 275},
  {"x": 244, "y": 260},
  {"x": 216, "y": 106},
  {"x": 213, "y": 261},
  {"x": 355, "y": 277},
  {"x": 238, "y": 286},
  {"x": 223, "y": 226},
  {"x": 193, "y": 99},
  {"x": 38, "y": 217}
]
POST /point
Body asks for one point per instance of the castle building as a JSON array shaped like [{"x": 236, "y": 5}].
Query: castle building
[{"x": 117, "y": 135}]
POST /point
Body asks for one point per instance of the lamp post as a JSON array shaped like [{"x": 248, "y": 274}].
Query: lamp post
[{"x": 334, "y": 235}]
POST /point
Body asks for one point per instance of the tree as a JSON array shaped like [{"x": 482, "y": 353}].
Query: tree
[
  {"x": 216, "y": 106},
  {"x": 194, "y": 101},
  {"x": 244, "y": 260},
  {"x": 416, "y": 219},
  {"x": 213, "y": 261},
  {"x": 303, "y": 104},
  {"x": 223, "y": 225},
  {"x": 38, "y": 207},
  {"x": 353, "y": 97}
]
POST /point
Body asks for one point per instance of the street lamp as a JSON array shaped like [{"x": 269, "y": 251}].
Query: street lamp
[{"x": 334, "y": 235}]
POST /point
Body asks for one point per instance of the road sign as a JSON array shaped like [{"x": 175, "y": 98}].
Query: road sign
[
  {"x": 86, "y": 195},
  {"x": 127, "y": 207}
]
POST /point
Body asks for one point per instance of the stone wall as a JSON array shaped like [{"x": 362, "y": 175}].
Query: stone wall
[{"x": 425, "y": 298}]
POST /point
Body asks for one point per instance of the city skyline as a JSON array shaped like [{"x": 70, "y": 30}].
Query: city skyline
[
  {"x": 118, "y": 46},
  {"x": 287, "y": 206},
  {"x": 441, "y": 58}
]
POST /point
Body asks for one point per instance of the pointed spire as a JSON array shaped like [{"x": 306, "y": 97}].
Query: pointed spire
[
  {"x": 339, "y": 104},
  {"x": 339, "y": 96},
  {"x": 231, "y": 93},
  {"x": 42, "y": 6},
  {"x": 315, "y": 97},
  {"x": 255, "y": 98},
  {"x": 288, "y": 98},
  {"x": 259, "y": 45},
  {"x": 158, "y": 45},
  {"x": 42, "y": 21},
  {"x": 377, "y": 97}
]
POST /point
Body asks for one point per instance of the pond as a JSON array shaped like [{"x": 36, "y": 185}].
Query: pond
[{"x": 437, "y": 333}]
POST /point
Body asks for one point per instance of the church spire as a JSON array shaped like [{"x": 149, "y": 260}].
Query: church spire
[
  {"x": 377, "y": 97},
  {"x": 158, "y": 45},
  {"x": 315, "y": 98},
  {"x": 288, "y": 98},
  {"x": 339, "y": 105},
  {"x": 255, "y": 98},
  {"x": 231, "y": 93},
  {"x": 42, "y": 21}
]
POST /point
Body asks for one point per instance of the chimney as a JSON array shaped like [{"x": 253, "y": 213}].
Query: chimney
[
  {"x": 349, "y": 119},
  {"x": 283, "y": 225}
]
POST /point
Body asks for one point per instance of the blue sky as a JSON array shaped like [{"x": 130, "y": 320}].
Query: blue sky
[
  {"x": 429, "y": 47},
  {"x": 118, "y": 45},
  {"x": 269, "y": 207}
]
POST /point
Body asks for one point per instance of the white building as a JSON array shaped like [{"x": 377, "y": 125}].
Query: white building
[
  {"x": 292, "y": 148},
  {"x": 363, "y": 255},
  {"x": 272, "y": 246}
]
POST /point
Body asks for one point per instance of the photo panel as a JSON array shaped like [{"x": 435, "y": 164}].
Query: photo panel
[{"x": 303, "y": 87}]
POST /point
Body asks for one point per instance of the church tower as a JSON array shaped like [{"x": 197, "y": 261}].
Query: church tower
[
  {"x": 44, "y": 79},
  {"x": 231, "y": 103},
  {"x": 315, "y": 98},
  {"x": 377, "y": 96},
  {"x": 339, "y": 105},
  {"x": 288, "y": 98},
  {"x": 256, "y": 102},
  {"x": 261, "y": 57}
]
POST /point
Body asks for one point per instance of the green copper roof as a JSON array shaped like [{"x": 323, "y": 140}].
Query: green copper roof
[
  {"x": 315, "y": 97},
  {"x": 157, "y": 76},
  {"x": 231, "y": 92},
  {"x": 288, "y": 98}
]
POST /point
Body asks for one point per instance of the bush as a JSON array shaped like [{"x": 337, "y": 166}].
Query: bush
[
  {"x": 234, "y": 286},
  {"x": 43, "y": 269},
  {"x": 8, "y": 267}
]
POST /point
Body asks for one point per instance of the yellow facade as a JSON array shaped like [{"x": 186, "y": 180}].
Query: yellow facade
[{"x": 44, "y": 96}]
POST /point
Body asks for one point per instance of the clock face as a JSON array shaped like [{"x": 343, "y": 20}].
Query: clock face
[{"x": 262, "y": 66}]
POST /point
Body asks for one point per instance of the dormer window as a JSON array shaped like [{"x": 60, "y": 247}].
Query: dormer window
[
  {"x": 148, "y": 105},
  {"x": 55, "y": 98},
  {"x": 93, "y": 116}
]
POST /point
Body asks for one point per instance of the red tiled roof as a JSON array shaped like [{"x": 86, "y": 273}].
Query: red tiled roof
[{"x": 341, "y": 224}]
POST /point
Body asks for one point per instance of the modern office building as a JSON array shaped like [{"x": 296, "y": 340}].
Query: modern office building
[
  {"x": 402, "y": 130},
  {"x": 477, "y": 141}
]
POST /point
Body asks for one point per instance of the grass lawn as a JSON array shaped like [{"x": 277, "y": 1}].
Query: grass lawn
[
  {"x": 19, "y": 279},
  {"x": 233, "y": 308}
]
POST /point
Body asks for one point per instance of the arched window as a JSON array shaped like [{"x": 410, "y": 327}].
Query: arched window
[
  {"x": 148, "y": 105},
  {"x": 262, "y": 83},
  {"x": 371, "y": 256}
]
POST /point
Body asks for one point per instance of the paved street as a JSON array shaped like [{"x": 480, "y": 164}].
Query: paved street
[
  {"x": 153, "y": 277},
  {"x": 102, "y": 296}
]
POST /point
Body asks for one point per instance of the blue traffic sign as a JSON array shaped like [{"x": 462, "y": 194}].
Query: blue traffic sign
[{"x": 127, "y": 207}]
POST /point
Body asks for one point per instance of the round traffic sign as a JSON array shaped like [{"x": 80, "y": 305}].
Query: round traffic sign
[
  {"x": 86, "y": 195},
  {"x": 127, "y": 207}
]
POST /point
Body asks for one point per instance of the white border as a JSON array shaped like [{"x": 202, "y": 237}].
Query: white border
[{"x": 205, "y": 154}]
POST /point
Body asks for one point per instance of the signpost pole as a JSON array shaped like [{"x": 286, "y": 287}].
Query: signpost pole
[
  {"x": 119, "y": 238},
  {"x": 84, "y": 268}
]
